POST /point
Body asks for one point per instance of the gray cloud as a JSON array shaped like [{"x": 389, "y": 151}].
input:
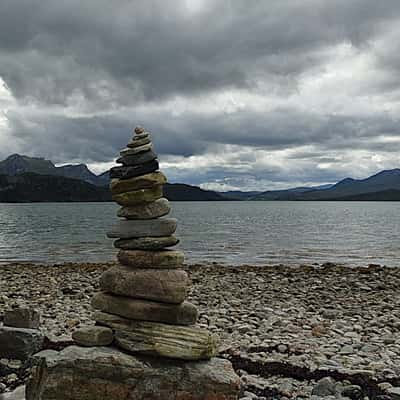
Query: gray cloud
[{"x": 79, "y": 74}]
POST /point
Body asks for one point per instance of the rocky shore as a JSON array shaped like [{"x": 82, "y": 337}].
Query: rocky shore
[{"x": 290, "y": 332}]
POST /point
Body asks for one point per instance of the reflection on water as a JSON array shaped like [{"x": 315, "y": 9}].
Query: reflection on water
[{"x": 354, "y": 233}]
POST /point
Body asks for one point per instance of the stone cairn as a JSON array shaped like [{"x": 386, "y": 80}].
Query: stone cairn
[
  {"x": 145, "y": 344},
  {"x": 149, "y": 288}
]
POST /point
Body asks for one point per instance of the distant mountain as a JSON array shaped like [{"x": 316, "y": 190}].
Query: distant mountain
[
  {"x": 379, "y": 186},
  {"x": 18, "y": 164},
  {"x": 29, "y": 187},
  {"x": 182, "y": 192}
]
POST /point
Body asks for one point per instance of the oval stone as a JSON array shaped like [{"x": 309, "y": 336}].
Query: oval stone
[
  {"x": 165, "y": 285},
  {"x": 152, "y": 210},
  {"x": 127, "y": 229},
  {"x": 136, "y": 170},
  {"x": 151, "y": 259},
  {"x": 136, "y": 150},
  {"x": 137, "y": 159},
  {"x": 146, "y": 243},
  {"x": 139, "y": 196},
  {"x": 146, "y": 310},
  {"x": 146, "y": 181}
]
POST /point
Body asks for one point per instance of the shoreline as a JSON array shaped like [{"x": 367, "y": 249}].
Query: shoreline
[{"x": 273, "y": 321}]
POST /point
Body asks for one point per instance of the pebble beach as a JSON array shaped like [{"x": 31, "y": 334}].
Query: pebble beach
[{"x": 290, "y": 332}]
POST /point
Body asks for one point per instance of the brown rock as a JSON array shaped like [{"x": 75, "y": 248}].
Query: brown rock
[
  {"x": 139, "y": 130},
  {"x": 168, "y": 285},
  {"x": 147, "y": 181},
  {"x": 22, "y": 318},
  {"x": 146, "y": 310},
  {"x": 151, "y": 259},
  {"x": 153, "y": 210},
  {"x": 93, "y": 336},
  {"x": 138, "y": 196}
]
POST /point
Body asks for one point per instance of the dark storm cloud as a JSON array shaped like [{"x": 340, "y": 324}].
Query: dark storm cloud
[
  {"x": 80, "y": 73},
  {"x": 152, "y": 49}
]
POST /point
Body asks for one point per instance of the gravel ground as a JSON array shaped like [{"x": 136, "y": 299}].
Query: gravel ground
[{"x": 284, "y": 328}]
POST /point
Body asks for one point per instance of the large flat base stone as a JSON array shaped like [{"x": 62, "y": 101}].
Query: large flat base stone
[{"x": 103, "y": 373}]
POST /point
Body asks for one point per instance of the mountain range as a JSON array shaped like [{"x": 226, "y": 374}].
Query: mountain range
[{"x": 25, "y": 179}]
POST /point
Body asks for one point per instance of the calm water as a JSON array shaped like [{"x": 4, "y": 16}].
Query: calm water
[{"x": 355, "y": 233}]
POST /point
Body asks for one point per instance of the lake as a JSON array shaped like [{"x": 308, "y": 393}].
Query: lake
[{"x": 353, "y": 233}]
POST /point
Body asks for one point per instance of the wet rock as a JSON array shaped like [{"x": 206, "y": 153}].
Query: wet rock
[
  {"x": 101, "y": 373},
  {"x": 145, "y": 310}
]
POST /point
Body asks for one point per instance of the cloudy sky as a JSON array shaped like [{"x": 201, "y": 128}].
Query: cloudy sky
[{"x": 238, "y": 94}]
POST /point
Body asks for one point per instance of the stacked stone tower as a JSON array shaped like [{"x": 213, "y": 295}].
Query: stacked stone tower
[
  {"x": 145, "y": 345},
  {"x": 144, "y": 298}
]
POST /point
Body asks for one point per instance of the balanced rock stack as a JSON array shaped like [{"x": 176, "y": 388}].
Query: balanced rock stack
[
  {"x": 143, "y": 298},
  {"x": 145, "y": 345}
]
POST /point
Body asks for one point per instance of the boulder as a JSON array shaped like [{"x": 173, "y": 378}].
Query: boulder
[
  {"x": 146, "y": 243},
  {"x": 20, "y": 343},
  {"x": 93, "y": 336},
  {"x": 146, "y": 181},
  {"x": 138, "y": 196},
  {"x": 22, "y": 318},
  {"x": 126, "y": 229},
  {"x": 136, "y": 170},
  {"x": 102, "y": 373},
  {"x": 151, "y": 259},
  {"x": 131, "y": 151},
  {"x": 146, "y": 310},
  {"x": 167, "y": 286},
  {"x": 153, "y": 338},
  {"x": 153, "y": 210},
  {"x": 137, "y": 159}
]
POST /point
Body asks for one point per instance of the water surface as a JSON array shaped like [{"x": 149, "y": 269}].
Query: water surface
[{"x": 354, "y": 233}]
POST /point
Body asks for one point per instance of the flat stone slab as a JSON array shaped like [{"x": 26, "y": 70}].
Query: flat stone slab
[
  {"x": 146, "y": 310},
  {"x": 139, "y": 196},
  {"x": 20, "y": 343},
  {"x": 146, "y": 181},
  {"x": 146, "y": 243},
  {"x": 139, "y": 141},
  {"x": 102, "y": 373},
  {"x": 163, "y": 340},
  {"x": 128, "y": 229},
  {"x": 152, "y": 210},
  {"x": 17, "y": 394},
  {"x": 22, "y": 318},
  {"x": 151, "y": 259},
  {"x": 167, "y": 285},
  {"x": 136, "y": 170},
  {"x": 138, "y": 159},
  {"x": 131, "y": 151},
  {"x": 93, "y": 336}
]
